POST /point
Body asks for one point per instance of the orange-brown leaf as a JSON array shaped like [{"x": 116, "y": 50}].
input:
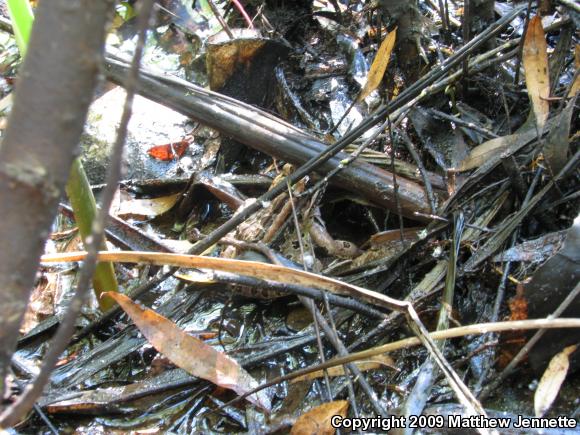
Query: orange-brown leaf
[
  {"x": 190, "y": 353},
  {"x": 318, "y": 420},
  {"x": 379, "y": 65},
  {"x": 535, "y": 60}
]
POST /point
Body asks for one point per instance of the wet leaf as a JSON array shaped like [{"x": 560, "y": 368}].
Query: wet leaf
[
  {"x": 190, "y": 353},
  {"x": 364, "y": 365},
  {"x": 317, "y": 420},
  {"x": 379, "y": 65},
  {"x": 535, "y": 60},
  {"x": 169, "y": 151},
  {"x": 552, "y": 380}
]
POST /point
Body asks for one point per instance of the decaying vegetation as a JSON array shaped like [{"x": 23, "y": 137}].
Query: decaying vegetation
[{"x": 370, "y": 210}]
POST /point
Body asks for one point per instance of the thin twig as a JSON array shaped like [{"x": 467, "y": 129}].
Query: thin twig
[
  {"x": 395, "y": 184},
  {"x": 307, "y": 302},
  {"x": 244, "y": 14},
  {"x": 219, "y": 17},
  {"x": 428, "y": 187},
  {"x": 466, "y": 35},
  {"x": 344, "y": 163},
  {"x": 483, "y": 131}
]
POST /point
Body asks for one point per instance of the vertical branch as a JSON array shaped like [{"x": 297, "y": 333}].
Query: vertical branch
[
  {"x": 52, "y": 97},
  {"x": 12, "y": 415}
]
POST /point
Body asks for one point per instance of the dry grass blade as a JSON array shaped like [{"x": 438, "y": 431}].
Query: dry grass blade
[
  {"x": 576, "y": 85},
  {"x": 248, "y": 268}
]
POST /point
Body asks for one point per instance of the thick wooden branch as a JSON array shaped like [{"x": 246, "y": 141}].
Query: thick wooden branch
[
  {"x": 54, "y": 90},
  {"x": 271, "y": 135}
]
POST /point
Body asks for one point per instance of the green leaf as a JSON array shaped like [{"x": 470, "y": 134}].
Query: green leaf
[{"x": 22, "y": 18}]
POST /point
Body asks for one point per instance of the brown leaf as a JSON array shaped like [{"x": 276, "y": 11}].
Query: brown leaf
[
  {"x": 318, "y": 420},
  {"x": 190, "y": 353},
  {"x": 379, "y": 65},
  {"x": 552, "y": 380},
  {"x": 535, "y": 60}
]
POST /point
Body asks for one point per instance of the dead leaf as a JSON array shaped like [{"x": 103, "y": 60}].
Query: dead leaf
[
  {"x": 535, "y": 60},
  {"x": 190, "y": 353},
  {"x": 148, "y": 208},
  {"x": 379, "y": 65},
  {"x": 557, "y": 142},
  {"x": 169, "y": 151},
  {"x": 318, "y": 420},
  {"x": 42, "y": 302},
  {"x": 552, "y": 380},
  {"x": 364, "y": 365},
  {"x": 489, "y": 153},
  {"x": 483, "y": 152}
]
